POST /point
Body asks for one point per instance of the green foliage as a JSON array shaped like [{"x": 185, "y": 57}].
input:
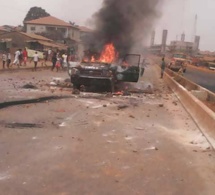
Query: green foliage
[{"x": 35, "y": 13}]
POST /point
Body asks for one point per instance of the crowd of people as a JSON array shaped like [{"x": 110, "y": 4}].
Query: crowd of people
[{"x": 57, "y": 59}]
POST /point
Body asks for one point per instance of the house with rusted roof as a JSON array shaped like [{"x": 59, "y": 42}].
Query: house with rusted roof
[
  {"x": 15, "y": 40},
  {"x": 49, "y": 25},
  {"x": 2, "y": 30}
]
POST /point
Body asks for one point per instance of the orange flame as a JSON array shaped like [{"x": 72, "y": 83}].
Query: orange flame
[
  {"x": 93, "y": 59},
  {"x": 108, "y": 54}
]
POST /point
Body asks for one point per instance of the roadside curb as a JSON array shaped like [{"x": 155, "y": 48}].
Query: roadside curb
[{"x": 201, "y": 114}]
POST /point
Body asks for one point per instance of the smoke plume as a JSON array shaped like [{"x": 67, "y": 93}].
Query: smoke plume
[{"x": 125, "y": 23}]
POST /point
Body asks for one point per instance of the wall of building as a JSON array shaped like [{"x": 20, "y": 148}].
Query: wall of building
[
  {"x": 46, "y": 28},
  {"x": 181, "y": 46},
  {"x": 35, "y": 28},
  {"x": 74, "y": 34}
]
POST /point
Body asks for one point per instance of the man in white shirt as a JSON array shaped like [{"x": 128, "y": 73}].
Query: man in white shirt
[
  {"x": 64, "y": 60},
  {"x": 49, "y": 54},
  {"x": 36, "y": 60},
  {"x": 16, "y": 59}
]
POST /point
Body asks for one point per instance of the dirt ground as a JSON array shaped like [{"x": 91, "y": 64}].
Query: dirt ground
[{"x": 143, "y": 143}]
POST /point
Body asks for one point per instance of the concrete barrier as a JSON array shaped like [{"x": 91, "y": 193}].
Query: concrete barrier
[{"x": 201, "y": 114}]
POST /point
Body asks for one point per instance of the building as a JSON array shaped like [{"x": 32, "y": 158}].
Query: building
[
  {"x": 15, "y": 40},
  {"x": 59, "y": 31},
  {"x": 185, "y": 46},
  {"x": 50, "y": 25},
  {"x": 159, "y": 48},
  {"x": 181, "y": 46},
  {"x": 84, "y": 32},
  {"x": 2, "y": 30}
]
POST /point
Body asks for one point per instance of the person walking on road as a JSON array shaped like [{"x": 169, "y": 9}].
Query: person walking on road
[
  {"x": 25, "y": 56},
  {"x": 54, "y": 60},
  {"x": 16, "y": 59},
  {"x": 8, "y": 59},
  {"x": 36, "y": 60},
  {"x": 4, "y": 59},
  {"x": 65, "y": 60},
  {"x": 163, "y": 66},
  {"x": 20, "y": 57}
]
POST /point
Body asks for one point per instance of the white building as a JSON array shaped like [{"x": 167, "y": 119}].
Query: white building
[
  {"x": 50, "y": 24},
  {"x": 184, "y": 46}
]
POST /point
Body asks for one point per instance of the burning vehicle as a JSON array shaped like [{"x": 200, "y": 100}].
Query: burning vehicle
[
  {"x": 105, "y": 70},
  {"x": 178, "y": 63}
]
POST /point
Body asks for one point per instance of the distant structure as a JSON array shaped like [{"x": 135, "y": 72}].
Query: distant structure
[
  {"x": 197, "y": 42},
  {"x": 159, "y": 48},
  {"x": 183, "y": 37},
  {"x": 195, "y": 28},
  {"x": 164, "y": 41},
  {"x": 183, "y": 46},
  {"x": 152, "y": 38}
]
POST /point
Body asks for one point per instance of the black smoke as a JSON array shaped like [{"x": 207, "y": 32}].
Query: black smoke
[{"x": 125, "y": 23}]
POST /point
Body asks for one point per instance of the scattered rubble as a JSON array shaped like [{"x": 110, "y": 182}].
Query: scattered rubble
[
  {"x": 29, "y": 86},
  {"x": 123, "y": 106},
  {"x": 76, "y": 92},
  {"x": 22, "y": 125},
  {"x": 131, "y": 116},
  {"x": 175, "y": 103},
  {"x": 152, "y": 148},
  {"x": 139, "y": 128}
]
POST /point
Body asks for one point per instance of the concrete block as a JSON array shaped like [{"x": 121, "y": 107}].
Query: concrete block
[{"x": 201, "y": 95}]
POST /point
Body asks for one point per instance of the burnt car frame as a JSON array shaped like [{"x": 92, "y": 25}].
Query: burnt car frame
[{"x": 96, "y": 75}]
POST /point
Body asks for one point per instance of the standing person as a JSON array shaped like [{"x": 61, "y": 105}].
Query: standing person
[
  {"x": 25, "y": 56},
  {"x": 4, "y": 59},
  {"x": 54, "y": 60},
  {"x": 16, "y": 58},
  {"x": 45, "y": 56},
  {"x": 36, "y": 60},
  {"x": 20, "y": 57},
  {"x": 49, "y": 54},
  {"x": 65, "y": 60},
  {"x": 58, "y": 63},
  {"x": 163, "y": 66},
  {"x": 8, "y": 59}
]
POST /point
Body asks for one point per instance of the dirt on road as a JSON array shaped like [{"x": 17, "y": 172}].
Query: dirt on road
[{"x": 142, "y": 143}]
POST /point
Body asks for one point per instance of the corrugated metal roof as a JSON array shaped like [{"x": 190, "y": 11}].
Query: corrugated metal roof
[
  {"x": 49, "y": 20},
  {"x": 34, "y": 36}
]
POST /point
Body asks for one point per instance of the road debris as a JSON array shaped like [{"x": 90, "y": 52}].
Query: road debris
[
  {"x": 22, "y": 125},
  {"x": 131, "y": 116},
  {"x": 29, "y": 86},
  {"x": 161, "y": 105},
  {"x": 151, "y": 148},
  {"x": 122, "y": 106},
  {"x": 139, "y": 128}
]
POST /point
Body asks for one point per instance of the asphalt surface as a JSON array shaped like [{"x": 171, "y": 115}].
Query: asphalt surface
[
  {"x": 145, "y": 143},
  {"x": 205, "y": 79}
]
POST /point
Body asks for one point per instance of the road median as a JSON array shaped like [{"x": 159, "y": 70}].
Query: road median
[{"x": 201, "y": 114}]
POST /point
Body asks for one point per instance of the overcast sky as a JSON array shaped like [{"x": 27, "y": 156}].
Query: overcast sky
[{"x": 177, "y": 16}]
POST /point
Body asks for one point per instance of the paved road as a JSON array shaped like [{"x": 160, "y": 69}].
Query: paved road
[
  {"x": 202, "y": 78},
  {"x": 97, "y": 144}
]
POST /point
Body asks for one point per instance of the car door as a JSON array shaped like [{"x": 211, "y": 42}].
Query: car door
[{"x": 129, "y": 70}]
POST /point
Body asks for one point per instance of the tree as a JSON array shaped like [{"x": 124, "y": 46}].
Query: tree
[{"x": 35, "y": 13}]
